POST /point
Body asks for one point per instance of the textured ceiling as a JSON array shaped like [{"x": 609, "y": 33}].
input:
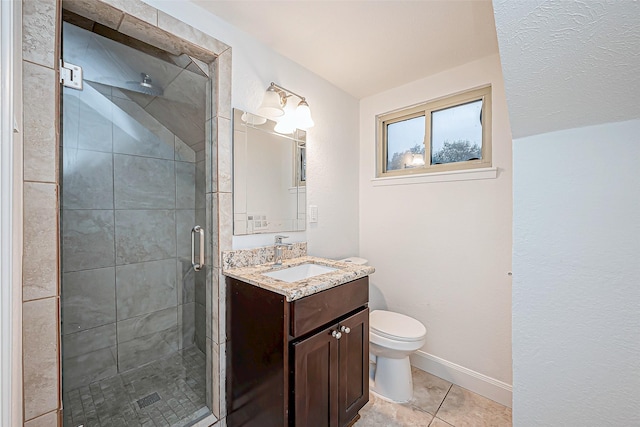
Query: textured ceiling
[
  {"x": 569, "y": 64},
  {"x": 366, "y": 47}
]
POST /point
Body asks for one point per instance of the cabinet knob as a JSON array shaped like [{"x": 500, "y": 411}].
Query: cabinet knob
[
  {"x": 337, "y": 335},
  {"x": 345, "y": 329}
]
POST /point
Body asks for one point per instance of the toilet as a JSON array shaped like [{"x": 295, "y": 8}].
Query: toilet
[{"x": 393, "y": 337}]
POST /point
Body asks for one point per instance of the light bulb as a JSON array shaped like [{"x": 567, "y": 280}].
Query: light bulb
[
  {"x": 303, "y": 116},
  {"x": 287, "y": 123}
]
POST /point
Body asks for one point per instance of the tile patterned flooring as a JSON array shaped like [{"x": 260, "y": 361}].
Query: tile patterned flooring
[
  {"x": 435, "y": 403},
  {"x": 178, "y": 379}
]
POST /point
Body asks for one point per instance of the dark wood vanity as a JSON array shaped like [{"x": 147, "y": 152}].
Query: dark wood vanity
[{"x": 302, "y": 363}]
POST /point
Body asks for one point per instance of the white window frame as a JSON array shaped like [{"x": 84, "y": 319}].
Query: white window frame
[{"x": 425, "y": 109}]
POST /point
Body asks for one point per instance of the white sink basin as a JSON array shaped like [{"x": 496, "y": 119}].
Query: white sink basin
[{"x": 299, "y": 272}]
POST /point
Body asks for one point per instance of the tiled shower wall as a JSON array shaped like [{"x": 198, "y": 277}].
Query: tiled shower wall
[
  {"x": 41, "y": 26},
  {"x": 128, "y": 200}
]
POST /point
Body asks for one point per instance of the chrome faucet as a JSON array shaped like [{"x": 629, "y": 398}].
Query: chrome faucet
[{"x": 277, "y": 259}]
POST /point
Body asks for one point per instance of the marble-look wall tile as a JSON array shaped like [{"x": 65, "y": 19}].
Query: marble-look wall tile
[
  {"x": 145, "y": 235},
  {"x": 70, "y": 117},
  {"x": 219, "y": 311},
  {"x": 185, "y": 185},
  {"x": 39, "y": 32},
  {"x": 40, "y": 273},
  {"x": 88, "y": 368},
  {"x": 200, "y": 155},
  {"x": 186, "y": 118},
  {"x": 40, "y": 356},
  {"x": 224, "y": 84},
  {"x": 137, "y": 132},
  {"x": 40, "y": 132},
  {"x": 199, "y": 337},
  {"x": 211, "y": 218},
  {"x": 190, "y": 34},
  {"x": 183, "y": 152},
  {"x": 143, "y": 183},
  {"x": 211, "y": 156},
  {"x": 224, "y": 155},
  {"x": 88, "y": 341},
  {"x": 209, "y": 95},
  {"x": 88, "y": 299},
  {"x": 212, "y": 382},
  {"x": 185, "y": 221},
  {"x": 187, "y": 324},
  {"x": 208, "y": 305},
  {"x": 150, "y": 323},
  {"x": 87, "y": 239},
  {"x": 213, "y": 101},
  {"x": 225, "y": 221},
  {"x": 97, "y": 11},
  {"x": 95, "y": 121},
  {"x": 47, "y": 420},
  {"x": 200, "y": 185},
  {"x": 186, "y": 281},
  {"x": 161, "y": 38},
  {"x": 88, "y": 179},
  {"x": 145, "y": 287},
  {"x": 221, "y": 377},
  {"x": 201, "y": 286},
  {"x": 140, "y": 351},
  {"x": 138, "y": 9}
]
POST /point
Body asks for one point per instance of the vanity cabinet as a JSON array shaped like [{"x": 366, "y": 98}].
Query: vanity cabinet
[{"x": 302, "y": 363}]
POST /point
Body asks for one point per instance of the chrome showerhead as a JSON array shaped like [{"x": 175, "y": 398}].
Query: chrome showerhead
[{"x": 145, "y": 86}]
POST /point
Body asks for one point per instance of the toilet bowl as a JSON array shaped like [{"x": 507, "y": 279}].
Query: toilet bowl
[{"x": 393, "y": 337}]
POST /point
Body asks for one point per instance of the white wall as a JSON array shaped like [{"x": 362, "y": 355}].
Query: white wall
[
  {"x": 442, "y": 251},
  {"x": 576, "y": 290},
  {"x": 332, "y": 154}
]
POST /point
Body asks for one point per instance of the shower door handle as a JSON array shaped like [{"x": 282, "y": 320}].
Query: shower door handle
[{"x": 197, "y": 266}]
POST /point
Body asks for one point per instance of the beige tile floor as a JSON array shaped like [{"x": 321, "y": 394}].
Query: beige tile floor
[{"x": 435, "y": 403}]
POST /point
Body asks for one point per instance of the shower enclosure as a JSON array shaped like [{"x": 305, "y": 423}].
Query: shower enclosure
[{"x": 133, "y": 211}]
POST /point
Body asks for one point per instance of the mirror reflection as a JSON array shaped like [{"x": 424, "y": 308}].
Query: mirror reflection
[{"x": 269, "y": 177}]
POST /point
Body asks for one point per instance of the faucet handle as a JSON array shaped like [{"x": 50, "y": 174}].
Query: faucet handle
[{"x": 279, "y": 239}]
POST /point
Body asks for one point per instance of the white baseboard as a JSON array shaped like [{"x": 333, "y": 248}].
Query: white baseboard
[{"x": 488, "y": 387}]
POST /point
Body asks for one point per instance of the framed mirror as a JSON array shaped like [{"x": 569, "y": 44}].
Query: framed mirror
[{"x": 269, "y": 177}]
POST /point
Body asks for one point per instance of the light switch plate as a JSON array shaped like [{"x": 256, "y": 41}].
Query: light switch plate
[{"x": 313, "y": 213}]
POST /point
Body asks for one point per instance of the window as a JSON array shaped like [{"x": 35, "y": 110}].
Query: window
[{"x": 451, "y": 133}]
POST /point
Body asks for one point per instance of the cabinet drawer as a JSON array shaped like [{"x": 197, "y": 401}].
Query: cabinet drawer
[{"x": 311, "y": 312}]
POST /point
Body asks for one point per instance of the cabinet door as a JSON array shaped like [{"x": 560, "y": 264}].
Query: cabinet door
[
  {"x": 316, "y": 380},
  {"x": 353, "y": 386}
]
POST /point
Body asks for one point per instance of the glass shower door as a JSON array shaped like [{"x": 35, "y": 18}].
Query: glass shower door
[{"x": 132, "y": 167}]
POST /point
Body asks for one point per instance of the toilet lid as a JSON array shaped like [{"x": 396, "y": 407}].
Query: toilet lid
[{"x": 396, "y": 326}]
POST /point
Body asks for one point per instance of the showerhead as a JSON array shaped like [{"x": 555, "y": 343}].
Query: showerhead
[{"x": 145, "y": 86}]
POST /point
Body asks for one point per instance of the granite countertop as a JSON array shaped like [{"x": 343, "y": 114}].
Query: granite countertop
[{"x": 295, "y": 290}]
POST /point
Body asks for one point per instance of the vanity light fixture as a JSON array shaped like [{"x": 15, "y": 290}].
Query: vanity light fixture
[{"x": 274, "y": 103}]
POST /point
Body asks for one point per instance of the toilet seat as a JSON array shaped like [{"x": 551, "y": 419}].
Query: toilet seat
[{"x": 396, "y": 326}]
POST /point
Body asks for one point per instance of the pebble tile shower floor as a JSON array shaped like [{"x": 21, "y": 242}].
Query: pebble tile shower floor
[{"x": 178, "y": 380}]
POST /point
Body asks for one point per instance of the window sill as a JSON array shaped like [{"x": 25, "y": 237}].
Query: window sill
[{"x": 448, "y": 176}]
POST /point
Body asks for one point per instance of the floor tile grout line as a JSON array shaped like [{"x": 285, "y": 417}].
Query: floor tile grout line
[{"x": 441, "y": 403}]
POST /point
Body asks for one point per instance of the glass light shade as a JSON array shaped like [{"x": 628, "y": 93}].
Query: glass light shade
[
  {"x": 303, "y": 116},
  {"x": 287, "y": 123},
  {"x": 271, "y": 104}
]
